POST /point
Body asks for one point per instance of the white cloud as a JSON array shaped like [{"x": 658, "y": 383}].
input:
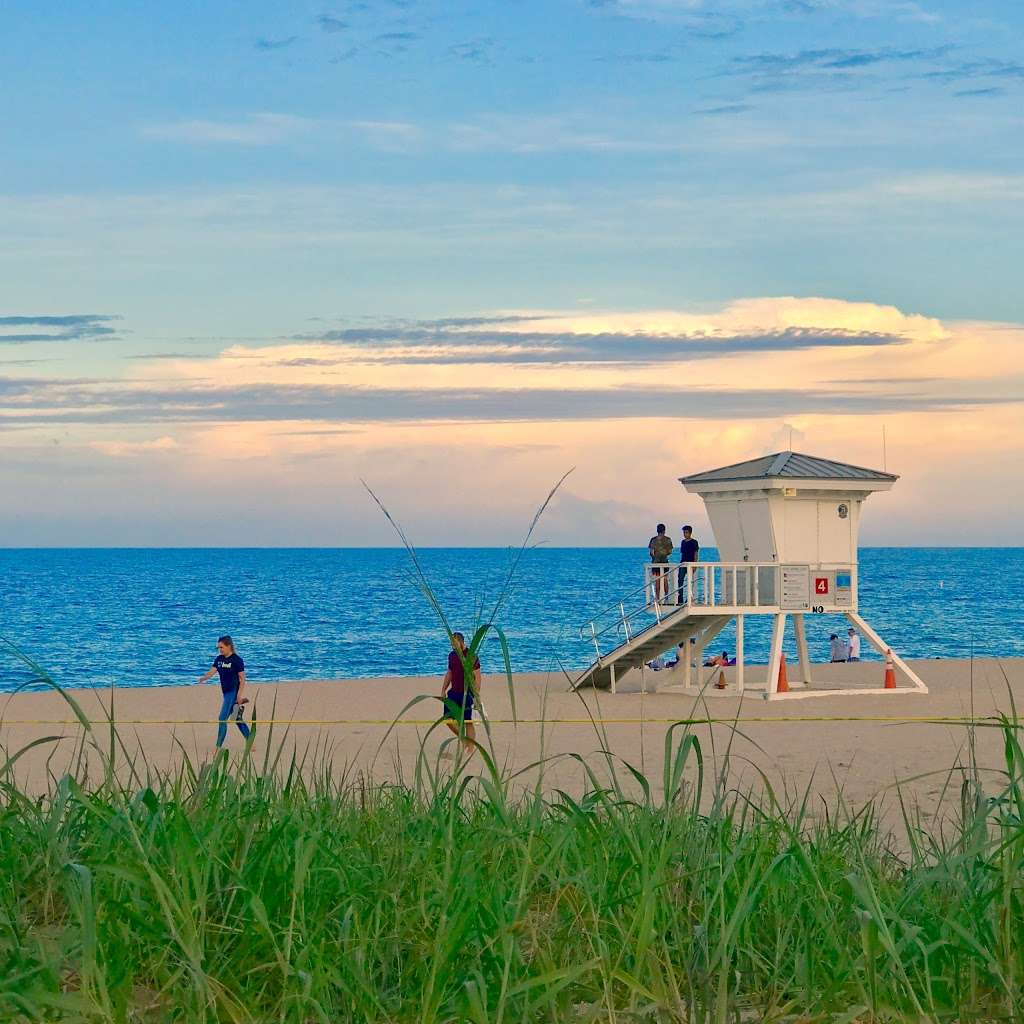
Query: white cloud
[
  {"x": 627, "y": 467},
  {"x": 251, "y": 130},
  {"x": 268, "y": 129},
  {"x": 122, "y": 449}
]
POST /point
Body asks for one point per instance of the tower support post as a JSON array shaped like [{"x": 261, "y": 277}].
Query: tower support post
[
  {"x": 739, "y": 655},
  {"x": 775, "y": 656},
  {"x": 699, "y": 667},
  {"x": 880, "y": 645},
  {"x": 801, "y": 646}
]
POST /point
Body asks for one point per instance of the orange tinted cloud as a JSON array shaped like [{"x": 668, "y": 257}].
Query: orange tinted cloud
[{"x": 463, "y": 447}]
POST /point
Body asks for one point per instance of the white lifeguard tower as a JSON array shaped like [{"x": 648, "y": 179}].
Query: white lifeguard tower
[{"x": 786, "y": 528}]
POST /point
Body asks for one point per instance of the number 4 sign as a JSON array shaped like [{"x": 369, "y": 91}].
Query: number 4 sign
[{"x": 821, "y": 584}]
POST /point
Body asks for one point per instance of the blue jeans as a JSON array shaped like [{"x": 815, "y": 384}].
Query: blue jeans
[{"x": 226, "y": 707}]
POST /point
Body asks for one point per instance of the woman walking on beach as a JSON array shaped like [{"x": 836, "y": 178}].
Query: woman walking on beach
[
  {"x": 457, "y": 695},
  {"x": 229, "y": 666}
]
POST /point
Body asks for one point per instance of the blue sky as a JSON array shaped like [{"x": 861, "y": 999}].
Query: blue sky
[{"x": 184, "y": 181}]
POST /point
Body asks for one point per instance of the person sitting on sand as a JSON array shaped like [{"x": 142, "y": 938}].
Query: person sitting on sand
[
  {"x": 457, "y": 696},
  {"x": 721, "y": 659},
  {"x": 680, "y": 653},
  {"x": 229, "y": 666}
]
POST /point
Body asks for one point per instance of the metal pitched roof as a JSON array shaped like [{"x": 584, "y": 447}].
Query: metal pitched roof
[{"x": 788, "y": 465}]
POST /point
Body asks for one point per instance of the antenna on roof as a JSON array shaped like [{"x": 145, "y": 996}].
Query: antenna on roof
[
  {"x": 885, "y": 463},
  {"x": 790, "y": 438}
]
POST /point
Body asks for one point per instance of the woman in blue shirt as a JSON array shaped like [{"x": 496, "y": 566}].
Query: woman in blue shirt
[{"x": 229, "y": 666}]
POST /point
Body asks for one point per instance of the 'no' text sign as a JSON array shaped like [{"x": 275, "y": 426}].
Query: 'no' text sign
[{"x": 821, "y": 584}]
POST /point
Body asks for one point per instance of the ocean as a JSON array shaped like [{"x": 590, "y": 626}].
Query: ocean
[{"x": 139, "y": 617}]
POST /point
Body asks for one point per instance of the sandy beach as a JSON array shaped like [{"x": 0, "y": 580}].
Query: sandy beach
[{"x": 349, "y": 722}]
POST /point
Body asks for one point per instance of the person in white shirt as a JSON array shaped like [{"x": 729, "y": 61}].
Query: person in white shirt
[{"x": 853, "y": 645}]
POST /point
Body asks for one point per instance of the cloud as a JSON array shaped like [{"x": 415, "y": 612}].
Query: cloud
[
  {"x": 725, "y": 109},
  {"x": 267, "y": 129},
  {"x": 427, "y": 343},
  {"x": 760, "y": 358},
  {"x": 49, "y": 327},
  {"x": 653, "y": 57},
  {"x": 121, "y": 449},
  {"x": 994, "y": 90},
  {"x": 478, "y": 51},
  {"x": 984, "y": 68},
  {"x": 831, "y": 59},
  {"x": 686, "y": 14},
  {"x": 387, "y": 134},
  {"x": 834, "y": 68},
  {"x": 551, "y": 133},
  {"x": 315, "y": 416},
  {"x": 274, "y": 44},
  {"x": 262, "y": 129},
  {"x": 330, "y": 24},
  {"x": 169, "y": 355},
  {"x": 728, "y": 17},
  {"x": 51, "y": 402}
]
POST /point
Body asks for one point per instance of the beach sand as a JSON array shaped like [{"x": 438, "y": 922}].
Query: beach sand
[{"x": 862, "y": 759}]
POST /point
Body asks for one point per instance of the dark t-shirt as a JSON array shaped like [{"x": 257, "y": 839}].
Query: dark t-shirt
[
  {"x": 228, "y": 667},
  {"x": 457, "y": 670},
  {"x": 688, "y": 550}
]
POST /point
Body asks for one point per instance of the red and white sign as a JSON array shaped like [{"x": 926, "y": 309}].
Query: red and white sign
[{"x": 821, "y": 584}]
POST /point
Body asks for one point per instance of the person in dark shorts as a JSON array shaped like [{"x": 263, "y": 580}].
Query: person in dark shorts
[
  {"x": 457, "y": 696},
  {"x": 689, "y": 551},
  {"x": 229, "y": 666},
  {"x": 659, "y": 547}
]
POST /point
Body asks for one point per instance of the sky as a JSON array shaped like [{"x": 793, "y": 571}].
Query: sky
[{"x": 258, "y": 257}]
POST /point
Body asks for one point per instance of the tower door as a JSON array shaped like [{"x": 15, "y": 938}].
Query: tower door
[
  {"x": 756, "y": 527},
  {"x": 836, "y": 530},
  {"x": 725, "y": 521}
]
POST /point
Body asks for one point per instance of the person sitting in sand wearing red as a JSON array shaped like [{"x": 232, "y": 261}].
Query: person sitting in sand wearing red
[
  {"x": 721, "y": 661},
  {"x": 457, "y": 696}
]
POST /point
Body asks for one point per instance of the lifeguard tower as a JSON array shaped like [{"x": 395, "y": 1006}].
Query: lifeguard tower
[{"x": 786, "y": 526}]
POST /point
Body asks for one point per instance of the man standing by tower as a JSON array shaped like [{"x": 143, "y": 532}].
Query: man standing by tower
[
  {"x": 689, "y": 551},
  {"x": 660, "y": 547}
]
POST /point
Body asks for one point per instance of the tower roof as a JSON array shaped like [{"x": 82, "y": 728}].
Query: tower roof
[{"x": 790, "y": 466}]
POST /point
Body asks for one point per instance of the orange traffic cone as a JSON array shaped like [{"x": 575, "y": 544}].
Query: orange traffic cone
[
  {"x": 783, "y": 686},
  {"x": 890, "y": 672}
]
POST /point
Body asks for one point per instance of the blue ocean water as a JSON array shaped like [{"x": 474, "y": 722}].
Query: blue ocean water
[{"x": 138, "y": 617}]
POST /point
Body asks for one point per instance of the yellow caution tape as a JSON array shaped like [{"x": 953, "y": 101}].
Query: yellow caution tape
[{"x": 764, "y": 719}]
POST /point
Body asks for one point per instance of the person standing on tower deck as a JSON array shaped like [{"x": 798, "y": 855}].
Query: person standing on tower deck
[
  {"x": 660, "y": 547},
  {"x": 689, "y": 552}
]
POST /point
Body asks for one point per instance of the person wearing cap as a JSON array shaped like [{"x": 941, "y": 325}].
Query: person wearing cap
[
  {"x": 689, "y": 552},
  {"x": 853, "y": 645}
]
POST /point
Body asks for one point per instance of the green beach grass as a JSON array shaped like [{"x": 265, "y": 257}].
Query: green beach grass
[{"x": 280, "y": 890}]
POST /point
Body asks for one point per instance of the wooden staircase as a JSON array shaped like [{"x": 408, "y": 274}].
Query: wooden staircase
[{"x": 676, "y": 628}]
